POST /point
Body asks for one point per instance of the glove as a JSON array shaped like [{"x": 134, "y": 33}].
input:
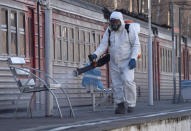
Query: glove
[
  {"x": 132, "y": 64},
  {"x": 92, "y": 57}
]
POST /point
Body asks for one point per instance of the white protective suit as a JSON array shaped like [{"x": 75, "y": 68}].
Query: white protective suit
[{"x": 124, "y": 46}]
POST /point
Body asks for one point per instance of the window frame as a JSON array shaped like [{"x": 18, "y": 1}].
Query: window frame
[
  {"x": 56, "y": 40},
  {"x": 81, "y": 47},
  {"x": 1, "y": 30},
  {"x": 11, "y": 29},
  {"x": 71, "y": 44},
  {"x": 76, "y": 44},
  {"x": 87, "y": 44},
  {"x": 21, "y": 31}
]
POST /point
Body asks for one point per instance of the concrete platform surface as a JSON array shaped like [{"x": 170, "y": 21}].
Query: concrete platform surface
[{"x": 88, "y": 120}]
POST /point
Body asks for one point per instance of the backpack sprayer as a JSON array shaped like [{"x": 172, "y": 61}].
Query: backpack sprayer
[{"x": 93, "y": 64}]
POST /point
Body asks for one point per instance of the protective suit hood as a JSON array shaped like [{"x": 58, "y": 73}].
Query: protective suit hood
[{"x": 119, "y": 16}]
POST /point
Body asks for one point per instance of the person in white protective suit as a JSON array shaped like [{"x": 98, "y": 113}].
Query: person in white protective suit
[{"x": 124, "y": 48}]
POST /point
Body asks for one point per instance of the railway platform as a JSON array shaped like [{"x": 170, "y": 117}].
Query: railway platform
[{"x": 163, "y": 114}]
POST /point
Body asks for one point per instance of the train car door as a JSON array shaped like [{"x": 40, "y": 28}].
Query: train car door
[
  {"x": 31, "y": 37},
  {"x": 156, "y": 69}
]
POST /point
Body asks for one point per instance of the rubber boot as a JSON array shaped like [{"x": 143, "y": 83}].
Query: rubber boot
[
  {"x": 130, "y": 109},
  {"x": 120, "y": 108}
]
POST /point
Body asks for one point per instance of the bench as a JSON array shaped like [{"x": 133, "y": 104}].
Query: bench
[{"x": 31, "y": 80}]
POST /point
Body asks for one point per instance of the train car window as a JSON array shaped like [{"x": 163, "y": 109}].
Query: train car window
[
  {"x": 13, "y": 19},
  {"x": 171, "y": 61},
  {"x": 146, "y": 60},
  {"x": 71, "y": 45},
  {"x": 4, "y": 32},
  {"x": 13, "y": 43},
  {"x": 99, "y": 38},
  {"x": 160, "y": 59},
  {"x": 176, "y": 45},
  {"x": 58, "y": 43},
  {"x": 163, "y": 60},
  {"x": 59, "y": 49},
  {"x": 143, "y": 50},
  {"x": 82, "y": 49},
  {"x": 94, "y": 40},
  {"x": 87, "y": 45},
  {"x": 143, "y": 65},
  {"x": 58, "y": 31},
  {"x": 64, "y": 33},
  {"x": 74, "y": 43},
  {"x": 22, "y": 34},
  {"x": 167, "y": 60},
  {"x": 76, "y": 46},
  {"x": 64, "y": 44}
]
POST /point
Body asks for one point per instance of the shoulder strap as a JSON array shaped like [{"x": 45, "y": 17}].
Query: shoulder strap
[
  {"x": 109, "y": 42},
  {"x": 109, "y": 31},
  {"x": 127, "y": 27}
]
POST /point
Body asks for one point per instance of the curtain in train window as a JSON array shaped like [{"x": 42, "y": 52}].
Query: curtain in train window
[
  {"x": 4, "y": 32},
  {"x": 92, "y": 48},
  {"x": 87, "y": 45},
  {"x": 143, "y": 57},
  {"x": 82, "y": 49},
  {"x": 76, "y": 46},
  {"x": 138, "y": 64},
  {"x": 22, "y": 34},
  {"x": 65, "y": 43},
  {"x": 145, "y": 62},
  {"x": 164, "y": 60},
  {"x": 167, "y": 60},
  {"x": 171, "y": 61},
  {"x": 99, "y": 38},
  {"x": 58, "y": 45},
  {"x": 130, "y": 5},
  {"x": 94, "y": 40},
  {"x": 140, "y": 5},
  {"x": 71, "y": 45},
  {"x": 13, "y": 19},
  {"x": 160, "y": 50}
]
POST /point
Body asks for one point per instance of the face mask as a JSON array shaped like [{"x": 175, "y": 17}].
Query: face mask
[{"x": 115, "y": 24}]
